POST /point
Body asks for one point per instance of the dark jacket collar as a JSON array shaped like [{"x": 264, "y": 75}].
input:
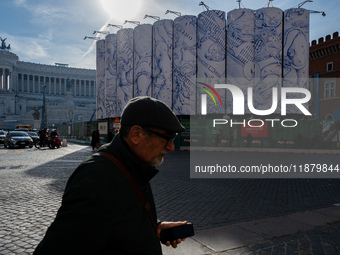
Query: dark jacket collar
[{"x": 120, "y": 149}]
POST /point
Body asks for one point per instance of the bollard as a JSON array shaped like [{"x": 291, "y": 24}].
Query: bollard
[{"x": 64, "y": 143}]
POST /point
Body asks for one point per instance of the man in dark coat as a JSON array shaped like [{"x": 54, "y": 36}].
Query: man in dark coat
[
  {"x": 109, "y": 136},
  {"x": 95, "y": 139},
  {"x": 100, "y": 211}
]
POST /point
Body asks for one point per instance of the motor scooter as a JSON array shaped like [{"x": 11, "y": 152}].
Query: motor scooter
[{"x": 54, "y": 142}]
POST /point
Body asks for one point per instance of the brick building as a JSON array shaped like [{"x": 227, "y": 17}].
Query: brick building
[{"x": 324, "y": 67}]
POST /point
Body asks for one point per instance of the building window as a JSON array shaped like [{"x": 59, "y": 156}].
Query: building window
[
  {"x": 329, "y": 66},
  {"x": 330, "y": 89}
]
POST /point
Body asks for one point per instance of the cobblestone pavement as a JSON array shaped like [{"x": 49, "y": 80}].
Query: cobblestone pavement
[
  {"x": 323, "y": 240},
  {"x": 32, "y": 182}
]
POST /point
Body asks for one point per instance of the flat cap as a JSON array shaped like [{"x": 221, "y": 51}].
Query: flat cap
[{"x": 150, "y": 112}]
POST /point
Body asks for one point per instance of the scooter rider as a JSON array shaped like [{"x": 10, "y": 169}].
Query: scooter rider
[{"x": 42, "y": 135}]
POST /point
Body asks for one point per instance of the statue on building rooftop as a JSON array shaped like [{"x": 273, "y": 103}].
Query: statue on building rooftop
[{"x": 3, "y": 44}]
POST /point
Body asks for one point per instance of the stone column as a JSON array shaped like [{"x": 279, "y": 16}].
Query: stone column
[
  {"x": 49, "y": 85},
  {"x": 75, "y": 88},
  {"x": 8, "y": 80},
  {"x": 53, "y": 84},
  {"x": 1, "y": 78},
  {"x": 21, "y": 86},
  {"x": 65, "y": 87},
  {"x": 39, "y": 84},
  {"x": 33, "y": 90}
]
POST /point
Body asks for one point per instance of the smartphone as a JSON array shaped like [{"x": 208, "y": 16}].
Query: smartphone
[{"x": 178, "y": 232}]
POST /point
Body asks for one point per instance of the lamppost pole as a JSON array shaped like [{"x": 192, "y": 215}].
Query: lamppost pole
[{"x": 43, "y": 110}]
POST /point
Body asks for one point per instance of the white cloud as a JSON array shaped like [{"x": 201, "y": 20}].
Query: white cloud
[
  {"x": 29, "y": 49},
  {"x": 19, "y": 2},
  {"x": 48, "y": 15}
]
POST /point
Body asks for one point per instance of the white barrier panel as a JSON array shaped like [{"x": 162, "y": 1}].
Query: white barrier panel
[
  {"x": 211, "y": 48},
  {"x": 184, "y": 65},
  {"x": 142, "y": 40},
  {"x": 268, "y": 56},
  {"x": 296, "y": 52},
  {"x": 240, "y": 52},
  {"x": 162, "y": 61},
  {"x": 124, "y": 68},
  {"x": 111, "y": 75},
  {"x": 100, "y": 67}
]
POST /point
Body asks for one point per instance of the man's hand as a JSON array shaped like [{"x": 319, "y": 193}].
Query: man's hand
[{"x": 165, "y": 225}]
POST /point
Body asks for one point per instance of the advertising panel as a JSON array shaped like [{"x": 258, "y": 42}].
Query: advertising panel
[{"x": 255, "y": 130}]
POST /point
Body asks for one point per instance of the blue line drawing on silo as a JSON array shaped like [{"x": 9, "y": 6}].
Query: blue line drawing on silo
[
  {"x": 162, "y": 61},
  {"x": 142, "y": 39},
  {"x": 100, "y": 67},
  {"x": 296, "y": 52},
  {"x": 184, "y": 65},
  {"x": 111, "y": 75},
  {"x": 124, "y": 68},
  {"x": 211, "y": 53},
  {"x": 268, "y": 57},
  {"x": 240, "y": 52}
]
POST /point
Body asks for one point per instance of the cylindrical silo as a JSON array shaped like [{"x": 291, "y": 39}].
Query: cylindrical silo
[
  {"x": 268, "y": 57},
  {"x": 100, "y": 67},
  {"x": 240, "y": 52},
  {"x": 111, "y": 74},
  {"x": 295, "y": 52},
  {"x": 211, "y": 48},
  {"x": 184, "y": 65},
  {"x": 124, "y": 68},
  {"x": 142, "y": 39},
  {"x": 162, "y": 61}
]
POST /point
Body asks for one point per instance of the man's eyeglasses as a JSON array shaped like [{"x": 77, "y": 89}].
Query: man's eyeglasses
[{"x": 168, "y": 138}]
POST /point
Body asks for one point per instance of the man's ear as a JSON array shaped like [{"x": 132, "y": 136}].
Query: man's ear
[{"x": 136, "y": 134}]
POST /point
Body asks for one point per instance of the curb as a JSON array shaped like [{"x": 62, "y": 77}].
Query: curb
[{"x": 270, "y": 150}]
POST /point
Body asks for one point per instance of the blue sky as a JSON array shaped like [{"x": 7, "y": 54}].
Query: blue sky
[{"x": 52, "y": 31}]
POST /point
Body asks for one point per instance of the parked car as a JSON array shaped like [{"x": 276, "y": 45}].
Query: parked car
[
  {"x": 2, "y": 136},
  {"x": 34, "y": 136},
  {"x": 18, "y": 139}
]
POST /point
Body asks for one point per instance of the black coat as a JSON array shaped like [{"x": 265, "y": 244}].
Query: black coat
[
  {"x": 95, "y": 138},
  {"x": 100, "y": 212}
]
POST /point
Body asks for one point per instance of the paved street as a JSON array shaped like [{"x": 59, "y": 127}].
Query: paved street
[{"x": 32, "y": 182}]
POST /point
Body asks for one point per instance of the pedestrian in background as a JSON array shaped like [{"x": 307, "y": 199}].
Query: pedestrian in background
[
  {"x": 109, "y": 136},
  {"x": 43, "y": 136},
  {"x": 249, "y": 140},
  {"x": 95, "y": 139}
]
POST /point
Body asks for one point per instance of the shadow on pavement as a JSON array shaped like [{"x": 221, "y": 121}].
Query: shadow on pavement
[{"x": 60, "y": 169}]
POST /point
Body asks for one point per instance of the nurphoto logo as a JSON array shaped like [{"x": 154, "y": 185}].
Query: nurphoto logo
[{"x": 239, "y": 102}]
